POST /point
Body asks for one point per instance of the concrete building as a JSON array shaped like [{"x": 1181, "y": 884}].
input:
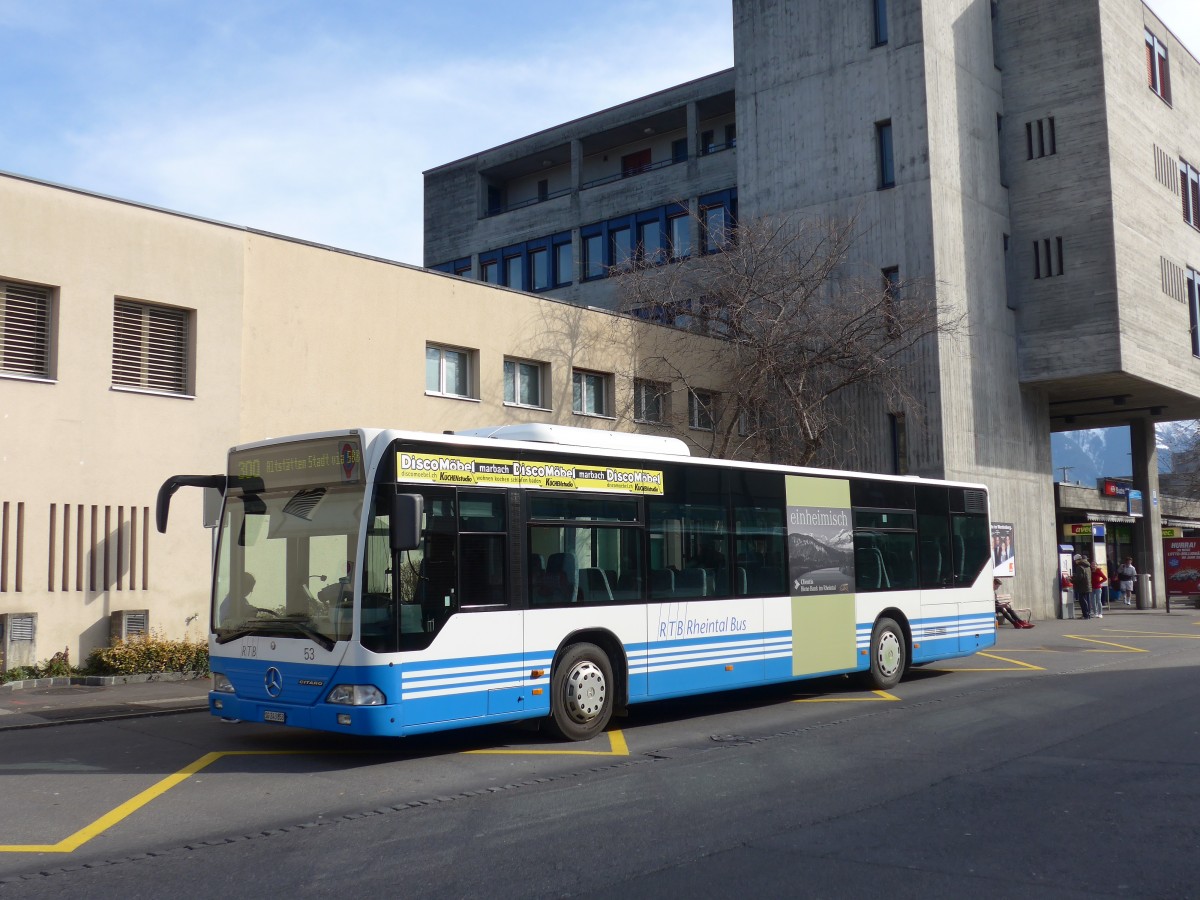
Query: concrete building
[
  {"x": 1029, "y": 159},
  {"x": 137, "y": 343}
]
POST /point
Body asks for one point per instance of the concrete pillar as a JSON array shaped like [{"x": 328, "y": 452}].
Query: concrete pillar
[
  {"x": 576, "y": 165},
  {"x": 1148, "y": 528},
  {"x": 693, "y": 133}
]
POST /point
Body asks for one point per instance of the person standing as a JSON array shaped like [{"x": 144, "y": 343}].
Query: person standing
[
  {"x": 1081, "y": 580},
  {"x": 1099, "y": 579},
  {"x": 1126, "y": 576}
]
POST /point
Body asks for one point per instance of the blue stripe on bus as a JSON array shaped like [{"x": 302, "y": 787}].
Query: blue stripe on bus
[{"x": 465, "y": 688}]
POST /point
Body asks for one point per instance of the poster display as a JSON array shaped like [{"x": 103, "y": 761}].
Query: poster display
[
  {"x": 1182, "y": 559},
  {"x": 821, "y": 562},
  {"x": 1003, "y": 550}
]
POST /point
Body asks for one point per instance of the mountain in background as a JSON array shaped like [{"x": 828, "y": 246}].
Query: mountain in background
[{"x": 1098, "y": 453}]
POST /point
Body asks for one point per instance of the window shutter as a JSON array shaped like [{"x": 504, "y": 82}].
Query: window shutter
[
  {"x": 1194, "y": 189},
  {"x": 1184, "y": 195},
  {"x": 24, "y": 330},
  {"x": 1164, "y": 76},
  {"x": 150, "y": 346},
  {"x": 1150, "y": 64}
]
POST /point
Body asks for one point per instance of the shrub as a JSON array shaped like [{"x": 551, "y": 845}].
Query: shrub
[
  {"x": 148, "y": 655},
  {"x": 57, "y": 666}
]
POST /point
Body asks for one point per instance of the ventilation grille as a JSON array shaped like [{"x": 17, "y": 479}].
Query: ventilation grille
[
  {"x": 20, "y": 628},
  {"x": 975, "y": 501}
]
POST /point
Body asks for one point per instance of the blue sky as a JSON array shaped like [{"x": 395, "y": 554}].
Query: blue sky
[{"x": 315, "y": 119}]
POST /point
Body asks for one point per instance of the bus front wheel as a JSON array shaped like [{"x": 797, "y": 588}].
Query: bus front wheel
[
  {"x": 888, "y": 655},
  {"x": 581, "y": 687}
]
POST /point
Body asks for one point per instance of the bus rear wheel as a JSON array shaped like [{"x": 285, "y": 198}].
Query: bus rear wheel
[
  {"x": 888, "y": 655},
  {"x": 581, "y": 701}
]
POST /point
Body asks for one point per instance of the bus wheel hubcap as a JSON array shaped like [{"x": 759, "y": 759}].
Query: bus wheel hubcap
[
  {"x": 888, "y": 654},
  {"x": 586, "y": 692}
]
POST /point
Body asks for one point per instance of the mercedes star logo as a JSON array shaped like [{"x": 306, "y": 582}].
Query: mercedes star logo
[{"x": 274, "y": 681}]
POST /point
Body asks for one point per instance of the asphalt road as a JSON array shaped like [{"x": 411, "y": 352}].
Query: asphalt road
[{"x": 1061, "y": 764}]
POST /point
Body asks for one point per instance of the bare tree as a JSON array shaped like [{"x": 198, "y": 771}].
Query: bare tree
[{"x": 803, "y": 336}]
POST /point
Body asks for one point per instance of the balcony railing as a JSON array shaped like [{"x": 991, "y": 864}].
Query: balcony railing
[{"x": 708, "y": 150}]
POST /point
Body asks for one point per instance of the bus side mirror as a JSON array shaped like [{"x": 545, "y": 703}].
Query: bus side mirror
[
  {"x": 404, "y": 529},
  {"x": 174, "y": 483}
]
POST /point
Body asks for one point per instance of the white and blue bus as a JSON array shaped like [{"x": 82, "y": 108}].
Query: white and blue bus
[{"x": 381, "y": 582}]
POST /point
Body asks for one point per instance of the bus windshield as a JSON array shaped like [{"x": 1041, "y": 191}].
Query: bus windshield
[{"x": 285, "y": 566}]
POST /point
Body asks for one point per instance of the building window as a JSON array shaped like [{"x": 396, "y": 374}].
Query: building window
[
  {"x": 563, "y": 263},
  {"x": 718, "y": 221},
  {"x": 523, "y": 383},
  {"x": 881, "y": 23},
  {"x": 495, "y": 200},
  {"x": 681, "y": 236},
  {"x": 543, "y": 189},
  {"x": 1158, "y": 72},
  {"x": 1193, "y": 295},
  {"x": 1189, "y": 191},
  {"x": 621, "y": 242},
  {"x": 730, "y": 136},
  {"x": 635, "y": 163},
  {"x": 1048, "y": 257},
  {"x": 706, "y": 143},
  {"x": 24, "y": 330},
  {"x": 539, "y": 269},
  {"x": 649, "y": 246},
  {"x": 589, "y": 393},
  {"x": 648, "y": 400},
  {"x": 514, "y": 272},
  {"x": 700, "y": 410},
  {"x": 1040, "y": 138},
  {"x": 679, "y": 150},
  {"x": 447, "y": 371},
  {"x": 593, "y": 256},
  {"x": 150, "y": 347},
  {"x": 891, "y": 296},
  {"x": 489, "y": 271},
  {"x": 883, "y": 141},
  {"x": 899, "y": 429},
  {"x": 1000, "y": 150}
]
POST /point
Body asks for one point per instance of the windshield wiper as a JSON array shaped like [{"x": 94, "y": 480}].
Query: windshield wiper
[{"x": 273, "y": 626}]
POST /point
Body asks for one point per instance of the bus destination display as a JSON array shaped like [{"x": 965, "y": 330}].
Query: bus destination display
[{"x": 324, "y": 461}]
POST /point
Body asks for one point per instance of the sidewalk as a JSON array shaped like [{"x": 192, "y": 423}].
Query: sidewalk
[{"x": 55, "y": 701}]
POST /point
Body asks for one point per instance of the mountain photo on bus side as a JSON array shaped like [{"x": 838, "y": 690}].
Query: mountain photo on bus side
[{"x": 820, "y": 538}]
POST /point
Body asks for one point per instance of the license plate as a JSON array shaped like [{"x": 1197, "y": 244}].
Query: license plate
[{"x": 271, "y": 715}]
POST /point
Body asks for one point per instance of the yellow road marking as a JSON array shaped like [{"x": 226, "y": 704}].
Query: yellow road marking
[
  {"x": 822, "y": 698},
  {"x": 129, "y": 807},
  {"x": 1153, "y": 634},
  {"x": 1017, "y": 665},
  {"x": 1124, "y": 648},
  {"x": 616, "y": 741},
  {"x": 617, "y": 744}
]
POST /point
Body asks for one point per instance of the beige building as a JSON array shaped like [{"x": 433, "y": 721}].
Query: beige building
[{"x": 137, "y": 343}]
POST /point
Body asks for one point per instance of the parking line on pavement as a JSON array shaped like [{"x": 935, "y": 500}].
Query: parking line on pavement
[
  {"x": 1129, "y": 632},
  {"x": 126, "y": 809},
  {"x": 1122, "y": 648},
  {"x": 1017, "y": 665},
  {"x": 825, "y": 698},
  {"x": 616, "y": 742}
]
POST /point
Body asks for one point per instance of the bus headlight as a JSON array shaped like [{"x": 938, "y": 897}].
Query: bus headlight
[
  {"x": 221, "y": 684},
  {"x": 357, "y": 695}
]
